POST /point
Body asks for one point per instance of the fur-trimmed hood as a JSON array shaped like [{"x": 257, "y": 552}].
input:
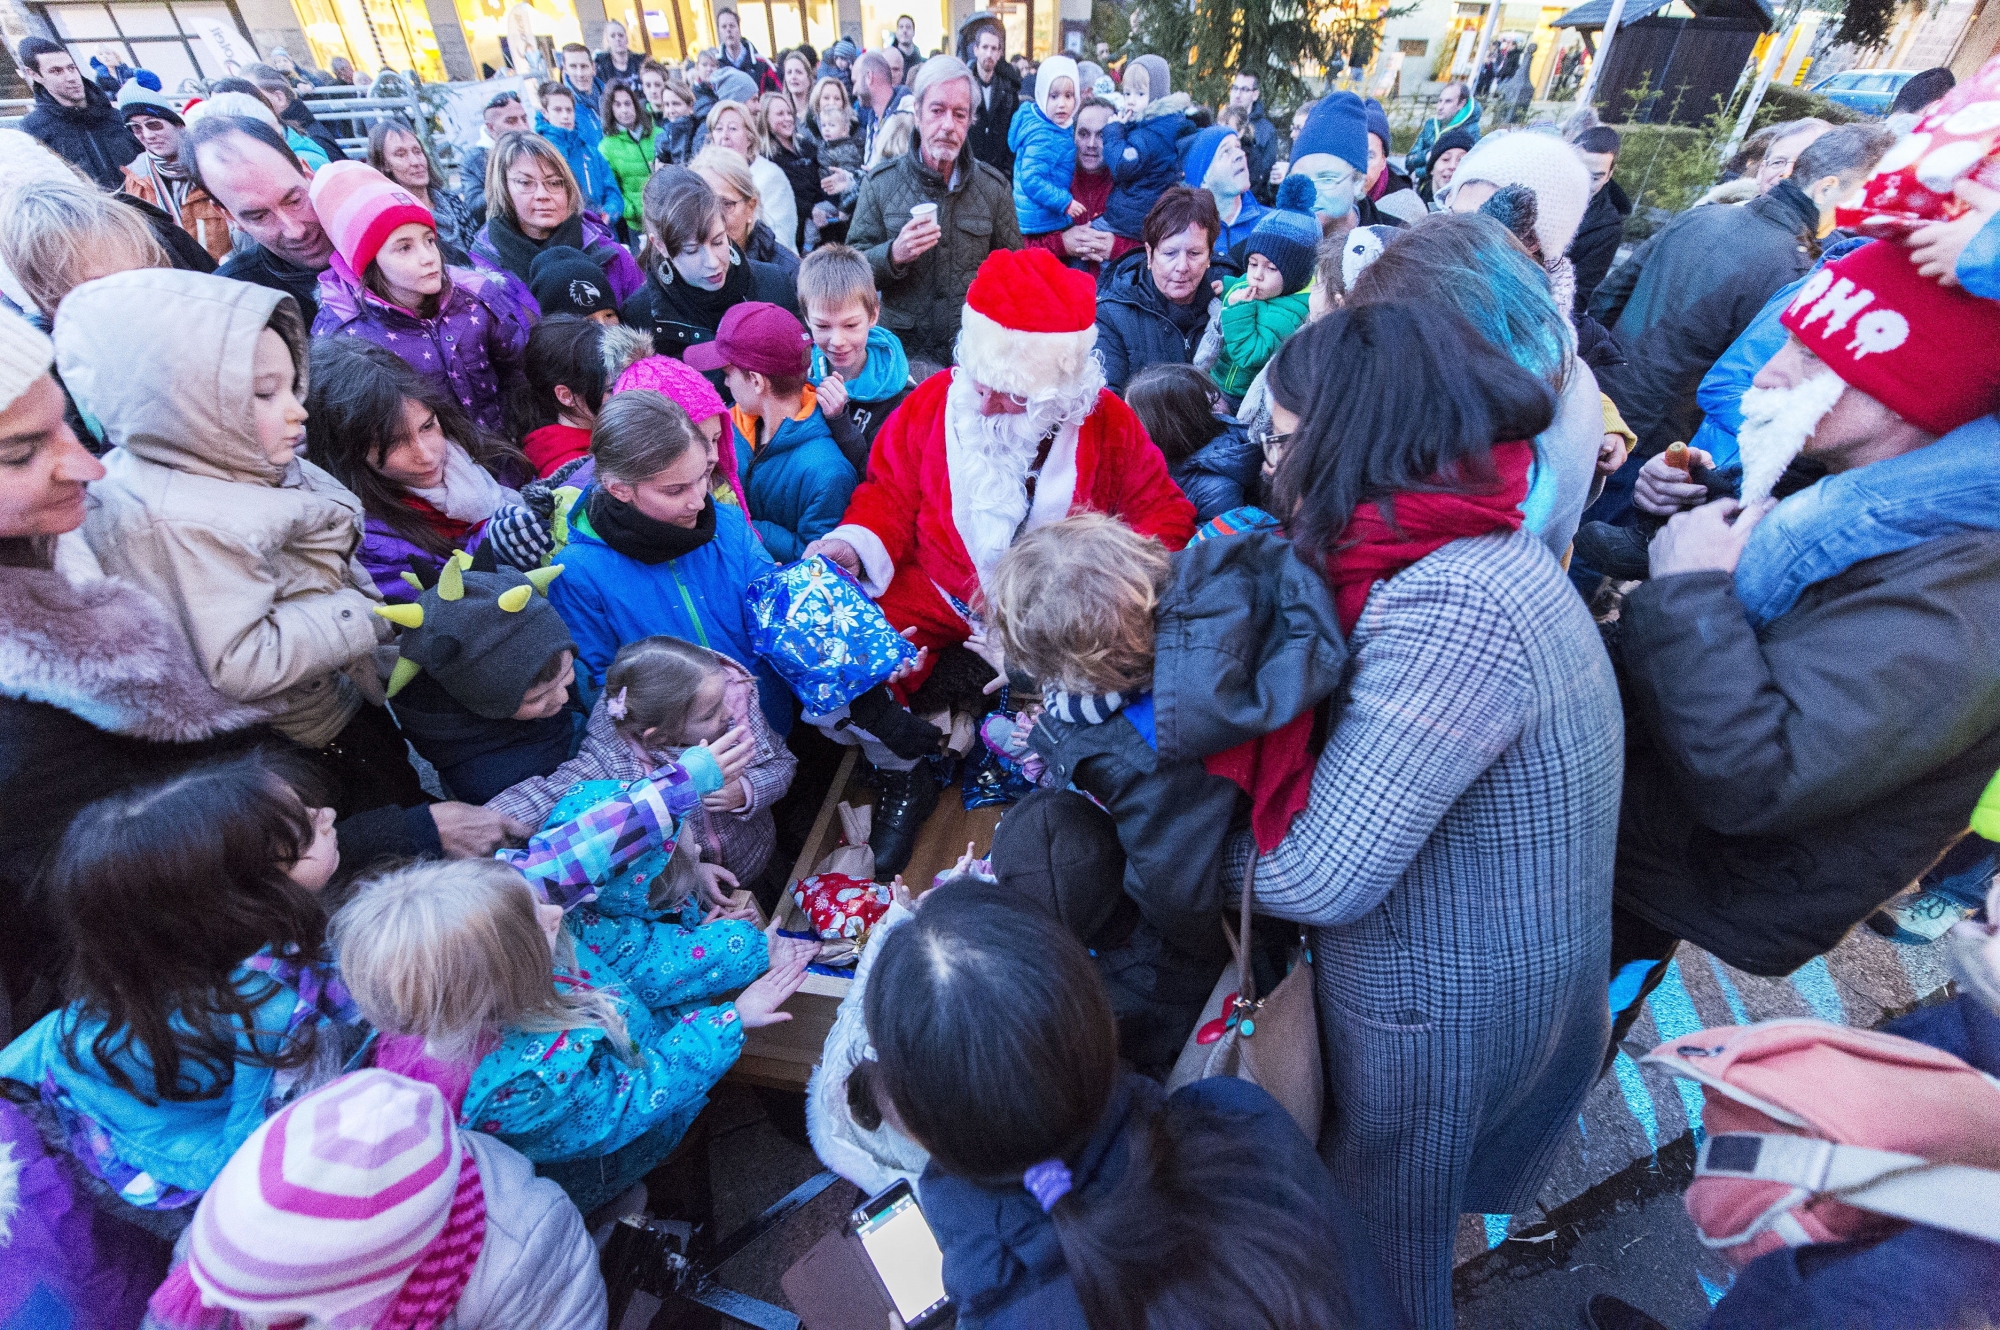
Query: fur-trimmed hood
[{"x": 103, "y": 651}]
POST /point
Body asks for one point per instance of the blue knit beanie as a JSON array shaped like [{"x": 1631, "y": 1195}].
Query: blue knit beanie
[
  {"x": 1378, "y": 124},
  {"x": 1288, "y": 235},
  {"x": 1202, "y": 146},
  {"x": 1339, "y": 125}
]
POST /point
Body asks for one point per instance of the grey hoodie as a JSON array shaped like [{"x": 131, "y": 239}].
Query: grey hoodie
[{"x": 253, "y": 561}]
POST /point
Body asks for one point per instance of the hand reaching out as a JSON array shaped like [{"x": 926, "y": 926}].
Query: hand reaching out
[
  {"x": 839, "y": 551},
  {"x": 714, "y": 893},
  {"x": 913, "y": 664},
  {"x": 757, "y": 1005},
  {"x": 1935, "y": 247}
]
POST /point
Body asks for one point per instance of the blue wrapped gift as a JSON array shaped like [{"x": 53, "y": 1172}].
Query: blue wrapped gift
[{"x": 822, "y": 633}]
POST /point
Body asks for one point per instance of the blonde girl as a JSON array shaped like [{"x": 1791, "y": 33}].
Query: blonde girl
[{"x": 477, "y": 989}]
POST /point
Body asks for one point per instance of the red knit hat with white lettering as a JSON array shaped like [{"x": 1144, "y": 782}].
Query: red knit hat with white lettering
[
  {"x": 1923, "y": 350},
  {"x": 1029, "y": 323},
  {"x": 360, "y": 207}
]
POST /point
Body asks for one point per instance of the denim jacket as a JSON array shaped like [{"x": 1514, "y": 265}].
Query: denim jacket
[{"x": 1948, "y": 487}]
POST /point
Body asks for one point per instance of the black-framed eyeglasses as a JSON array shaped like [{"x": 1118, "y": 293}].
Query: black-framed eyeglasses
[{"x": 1269, "y": 442}]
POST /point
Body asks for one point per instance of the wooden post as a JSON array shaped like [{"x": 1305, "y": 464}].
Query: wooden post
[
  {"x": 1583, "y": 93},
  {"x": 1764, "y": 72}
]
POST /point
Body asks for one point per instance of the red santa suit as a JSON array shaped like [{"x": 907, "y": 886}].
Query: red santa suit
[{"x": 932, "y": 518}]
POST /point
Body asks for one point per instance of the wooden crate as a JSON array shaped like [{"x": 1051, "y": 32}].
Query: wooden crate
[{"x": 783, "y": 1055}]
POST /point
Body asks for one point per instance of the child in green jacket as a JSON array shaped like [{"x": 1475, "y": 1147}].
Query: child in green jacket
[
  {"x": 1268, "y": 303},
  {"x": 629, "y": 144}
]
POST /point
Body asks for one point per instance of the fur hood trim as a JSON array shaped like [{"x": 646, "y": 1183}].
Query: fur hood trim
[{"x": 104, "y": 652}]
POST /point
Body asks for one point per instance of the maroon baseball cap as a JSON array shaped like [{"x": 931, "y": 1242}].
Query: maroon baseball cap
[{"x": 758, "y": 337}]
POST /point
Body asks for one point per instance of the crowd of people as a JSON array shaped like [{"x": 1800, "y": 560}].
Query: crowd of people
[{"x": 396, "y": 759}]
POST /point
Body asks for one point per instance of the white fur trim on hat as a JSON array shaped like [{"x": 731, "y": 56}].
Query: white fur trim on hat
[
  {"x": 1545, "y": 164},
  {"x": 25, "y": 356},
  {"x": 1020, "y": 362}
]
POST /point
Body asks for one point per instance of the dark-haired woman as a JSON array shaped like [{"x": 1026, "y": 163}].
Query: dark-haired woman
[
  {"x": 1153, "y": 304},
  {"x": 202, "y": 992},
  {"x": 694, "y": 273},
  {"x": 1067, "y": 1193},
  {"x": 555, "y": 401},
  {"x": 1454, "y": 861},
  {"x": 428, "y": 480},
  {"x": 1209, "y": 455},
  {"x": 98, "y": 692}
]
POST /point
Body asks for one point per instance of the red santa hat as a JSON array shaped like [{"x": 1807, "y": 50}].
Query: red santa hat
[
  {"x": 1923, "y": 350},
  {"x": 1029, "y": 322}
]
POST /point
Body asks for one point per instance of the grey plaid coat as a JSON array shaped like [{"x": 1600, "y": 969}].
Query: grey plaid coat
[{"x": 1455, "y": 865}]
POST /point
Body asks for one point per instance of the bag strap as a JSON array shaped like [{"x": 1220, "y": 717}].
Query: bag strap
[
  {"x": 1246, "y": 984},
  {"x": 1958, "y": 1198}
]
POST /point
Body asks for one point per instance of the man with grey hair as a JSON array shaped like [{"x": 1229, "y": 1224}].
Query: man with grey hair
[
  {"x": 878, "y": 94},
  {"x": 928, "y": 219},
  {"x": 1695, "y": 285}
]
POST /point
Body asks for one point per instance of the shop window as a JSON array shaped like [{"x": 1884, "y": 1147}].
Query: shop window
[{"x": 181, "y": 43}]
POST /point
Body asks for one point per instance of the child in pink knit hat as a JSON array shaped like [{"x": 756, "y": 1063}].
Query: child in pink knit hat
[
  {"x": 364, "y": 1205},
  {"x": 463, "y": 329},
  {"x": 691, "y": 391}
]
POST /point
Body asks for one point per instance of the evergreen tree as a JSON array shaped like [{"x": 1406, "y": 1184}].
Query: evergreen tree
[{"x": 1286, "y": 41}]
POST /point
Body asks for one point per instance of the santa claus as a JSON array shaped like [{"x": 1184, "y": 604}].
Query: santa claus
[{"x": 1021, "y": 433}]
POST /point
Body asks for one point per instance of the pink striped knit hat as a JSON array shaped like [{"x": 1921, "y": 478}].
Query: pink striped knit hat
[
  {"x": 357, "y": 1206},
  {"x": 358, "y": 207}
]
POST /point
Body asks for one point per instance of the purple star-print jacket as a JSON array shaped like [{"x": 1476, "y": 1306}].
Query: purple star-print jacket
[{"x": 472, "y": 347}]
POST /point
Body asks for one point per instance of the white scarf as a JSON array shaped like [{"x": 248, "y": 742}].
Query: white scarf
[
  {"x": 469, "y": 493},
  {"x": 1776, "y": 424}
]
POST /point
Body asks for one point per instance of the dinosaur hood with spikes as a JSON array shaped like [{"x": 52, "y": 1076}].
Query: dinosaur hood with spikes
[{"x": 483, "y": 636}]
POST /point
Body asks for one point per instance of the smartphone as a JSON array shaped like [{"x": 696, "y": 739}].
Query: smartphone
[{"x": 905, "y": 1255}]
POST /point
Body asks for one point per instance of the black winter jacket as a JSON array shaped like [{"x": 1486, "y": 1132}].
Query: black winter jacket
[
  {"x": 260, "y": 267},
  {"x": 1004, "y": 1265},
  {"x": 677, "y": 324},
  {"x": 802, "y": 172},
  {"x": 93, "y": 135},
  {"x": 1246, "y": 639},
  {"x": 1137, "y": 326},
  {"x": 1597, "y": 239},
  {"x": 992, "y": 112},
  {"x": 1686, "y": 294},
  {"x": 1780, "y": 786},
  {"x": 1222, "y": 474}
]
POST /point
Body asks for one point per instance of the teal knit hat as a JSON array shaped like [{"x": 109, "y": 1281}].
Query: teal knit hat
[{"x": 1288, "y": 235}]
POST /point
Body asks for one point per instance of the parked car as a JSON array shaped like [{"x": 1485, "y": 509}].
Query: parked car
[{"x": 1867, "y": 90}]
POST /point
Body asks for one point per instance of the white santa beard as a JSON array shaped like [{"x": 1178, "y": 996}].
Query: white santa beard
[
  {"x": 989, "y": 458},
  {"x": 1776, "y": 424}
]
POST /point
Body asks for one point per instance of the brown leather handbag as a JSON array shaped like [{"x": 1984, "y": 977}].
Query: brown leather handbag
[{"x": 1272, "y": 1041}]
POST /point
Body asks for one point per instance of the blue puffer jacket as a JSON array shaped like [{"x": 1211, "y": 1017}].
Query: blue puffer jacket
[
  {"x": 1222, "y": 474},
  {"x": 594, "y": 175},
  {"x": 607, "y": 599},
  {"x": 1145, "y": 161},
  {"x": 797, "y": 484},
  {"x": 1044, "y": 160}
]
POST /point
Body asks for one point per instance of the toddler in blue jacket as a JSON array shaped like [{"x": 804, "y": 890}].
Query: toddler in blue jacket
[
  {"x": 1144, "y": 147},
  {"x": 1044, "y": 148}
]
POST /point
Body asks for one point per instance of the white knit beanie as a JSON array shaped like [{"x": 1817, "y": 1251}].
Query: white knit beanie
[
  {"x": 1546, "y": 165},
  {"x": 25, "y": 355}
]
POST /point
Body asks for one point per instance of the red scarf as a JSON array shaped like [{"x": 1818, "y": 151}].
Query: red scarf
[
  {"x": 453, "y": 530},
  {"x": 1276, "y": 770}
]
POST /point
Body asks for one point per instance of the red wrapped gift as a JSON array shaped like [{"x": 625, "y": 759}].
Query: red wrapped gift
[
  {"x": 841, "y": 908},
  {"x": 1957, "y": 139}
]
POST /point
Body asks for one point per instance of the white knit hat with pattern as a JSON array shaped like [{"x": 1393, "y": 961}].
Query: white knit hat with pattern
[{"x": 25, "y": 355}]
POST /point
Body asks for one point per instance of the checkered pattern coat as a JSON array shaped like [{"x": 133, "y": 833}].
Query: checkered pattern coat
[{"x": 1455, "y": 867}]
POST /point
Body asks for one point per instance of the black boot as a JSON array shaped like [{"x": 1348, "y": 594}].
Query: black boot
[
  {"x": 906, "y": 799},
  {"x": 1618, "y": 552}
]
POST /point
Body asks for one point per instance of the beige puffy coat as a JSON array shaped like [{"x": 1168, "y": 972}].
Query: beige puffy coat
[{"x": 254, "y": 563}]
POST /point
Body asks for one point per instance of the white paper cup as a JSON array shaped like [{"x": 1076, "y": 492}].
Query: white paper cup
[{"x": 924, "y": 212}]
